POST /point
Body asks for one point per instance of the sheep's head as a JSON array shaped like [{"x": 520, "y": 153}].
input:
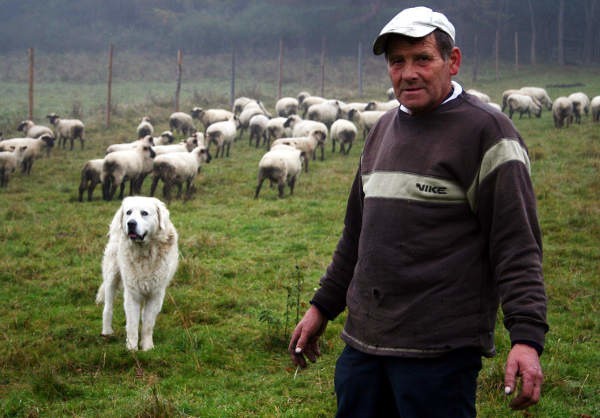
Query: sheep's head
[
  {"x": 24, "y": 125},
  {"x": 197, "y": 112},
  {"x": 53, "y": 118}
]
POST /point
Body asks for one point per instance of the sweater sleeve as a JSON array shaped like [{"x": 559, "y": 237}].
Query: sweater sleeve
[
  {"x": 330, "y": 298},
  {"x": 507, "y": 211}
]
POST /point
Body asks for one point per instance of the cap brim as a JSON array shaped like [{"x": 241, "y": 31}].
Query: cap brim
[{"x": 380, "y": 42}]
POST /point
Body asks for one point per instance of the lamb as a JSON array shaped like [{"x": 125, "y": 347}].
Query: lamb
[
  {"x": 595, "y": 106},
  {"x": 302, "y": 128},
  {"x": 345, "y": 132},
  {"x": 366, "y": 119},
  {"x": 505, "y": 95},
  {"x": 523, "y": 103},
  {"x": 481, "y": 96},
  {"x": 282, "y": 164},
  {"x": 147, "y": 140},
  {"x": 177, "y": 168},
  {"x": 326, "y": 112},
  {"x": 222, "y": 134},
  {"x": 375, "y": 105},
  {"x": 210, "y": 116},
  {"x": 286, "y": 106},
  {"x": 145, "y": 127},
  {"x": 67, "y": 129},
  {"x": 36, "y": 147},
  {"x": 119, "y": 166},
  {"x": 275, "y": 129},
  {"x": 562, "y": 112},
  {"x": 31, "y": 130},
  {"x": 182, "y": 123},
  {"x": 258, "y": 129},
  {"x": 9, "y": 161},
  {"x": 91, "y": 174},
  {"x": 308, "y": 144},
  {"x": 581, "y": 105},
  {"x": 538, "y": 93},
  {"x": 188, "y": 145}
]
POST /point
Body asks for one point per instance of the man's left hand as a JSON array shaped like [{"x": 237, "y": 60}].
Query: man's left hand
[{"x": 523, "y": 361}]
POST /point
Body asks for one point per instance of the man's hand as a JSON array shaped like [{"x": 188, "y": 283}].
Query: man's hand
[
  {"x": 523, "y": 361},
  {"x": 305, "y": 338}
]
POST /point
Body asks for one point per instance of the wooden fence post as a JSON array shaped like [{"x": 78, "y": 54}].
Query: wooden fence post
[
  {"x": 31, "y": 69},
  {"x": 179, "y": 71},
  {"x": 109, "y": 93}
]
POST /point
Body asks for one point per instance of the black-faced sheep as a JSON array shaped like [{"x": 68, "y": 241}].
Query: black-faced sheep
[
  {"x": 382, "y": 106},
  {"x": 188, "y": 145},
  {"x": 505, "y": 95},
  {"x": 251, "y": 109},
  {"x": 301, "y": 128},
  {"x": 538, "y": 93},
  {"x": 165, "y": 138},
  {"x": 239, "y": 104},
  {"x": 562, "y": 112},
  {"x": 344, "y": 132},
  {"x": 286, "y": 106},
  {"x": 480, "y": 95},
  {"x": 210, "y": 116},
  {"x": 35, "y": 148},
  {"x": 595, "y": 106},
  {"x": 67, "y": 130},
  {"x": 9, "y": 161},
  {"x": 133, "y": 165},
  {"x": 275, "y": 129},
  {"x": 365, "y": 119},
  {"x": 222, "y": 134},
  {"x": 145, "y": 127},
  {"x": 524, "y": 104},
  {"x": 258, "y": 129},
  {"x": 326, "y": 112},
  {"x": 174, "y": 169},
  {"x": 308, "y": 102},
  {"x": 147, "y": 140},
  {"x": 308, "y": 144},
  {"x": 581, "y": 105},
  {"x": 91, "y": 174},
  {"x": 282, "y": 165},
  {"x": 181, "y": 122},
  {"x": 31, "y": 130}
]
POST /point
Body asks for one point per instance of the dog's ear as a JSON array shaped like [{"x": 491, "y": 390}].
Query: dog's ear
[
  {"x": 117, "y": 221},
  {"x": 163, "y": 214}
]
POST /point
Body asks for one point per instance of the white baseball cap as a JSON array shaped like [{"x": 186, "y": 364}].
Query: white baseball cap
[{"x": 415, "y": 22}]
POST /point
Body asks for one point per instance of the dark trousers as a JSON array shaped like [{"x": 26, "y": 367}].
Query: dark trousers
[{"x": 378, "y": 386}]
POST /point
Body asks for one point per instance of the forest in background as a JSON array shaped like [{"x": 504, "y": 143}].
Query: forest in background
[{"x": 542, "y": 31}]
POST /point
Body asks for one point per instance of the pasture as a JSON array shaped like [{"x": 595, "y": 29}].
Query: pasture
[{"x": 248, "y": 268}]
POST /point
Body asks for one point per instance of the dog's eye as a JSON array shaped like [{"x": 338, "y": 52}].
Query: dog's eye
[
  {"x": 128, "y": 212},
  {"x": 144, "y": 213}
]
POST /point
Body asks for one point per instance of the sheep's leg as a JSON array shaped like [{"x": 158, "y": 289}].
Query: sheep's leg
[
  {"x": 292, "y": 183},
  {"x": 153, "y": 185},
  {"x": 281, "y": 187},
  {"x": 333, "y": 147},
  {"x": 261, "y": 179}
]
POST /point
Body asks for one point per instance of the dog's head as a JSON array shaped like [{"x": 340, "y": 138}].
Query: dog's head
[{"x": 140, "y": 218}]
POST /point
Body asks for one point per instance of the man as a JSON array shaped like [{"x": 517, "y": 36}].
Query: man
[{"x": 440, "y": 228}]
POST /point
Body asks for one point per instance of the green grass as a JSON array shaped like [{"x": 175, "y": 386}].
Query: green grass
[{"x": 221, "y": 337}]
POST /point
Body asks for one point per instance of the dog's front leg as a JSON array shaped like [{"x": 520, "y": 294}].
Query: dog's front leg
[
  {"x": 132, "y": 304},
  {"x": 150, "y": 312}
]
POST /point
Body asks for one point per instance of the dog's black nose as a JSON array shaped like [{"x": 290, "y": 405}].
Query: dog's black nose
[{"x": 131, "y": 225}]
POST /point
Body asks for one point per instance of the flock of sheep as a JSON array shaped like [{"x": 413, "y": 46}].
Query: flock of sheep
[{"x": 292, "y": 137}]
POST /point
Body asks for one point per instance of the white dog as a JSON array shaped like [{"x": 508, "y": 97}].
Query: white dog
[{"x": 142, "y": 254}]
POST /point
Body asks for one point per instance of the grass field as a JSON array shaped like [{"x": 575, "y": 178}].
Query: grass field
[{"x": 247, "y": 269}]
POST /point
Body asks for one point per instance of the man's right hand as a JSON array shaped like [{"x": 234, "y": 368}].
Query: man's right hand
[{"x": 305, "y": 338}]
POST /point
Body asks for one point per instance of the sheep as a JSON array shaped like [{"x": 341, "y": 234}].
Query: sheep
[
  {"x": 165, "y": 138},
  {"x": 595, "y": 106},
  {"x": 67, "y": 129},
  {"x": 119, "y": 166},
  {"x": 538, "y": 93},
  {"x": 562, "y": 112},
  {"x": 326, "y": 112},
  {"x": 375, "y": 105},
  {"x": 197, "y": 139},
  {"x": 365, "y": 119},
  {"x": 254, "y": 107},
  {"x": 301, "y": 96},
  {"x": 347, "y": 107},
  {"x": 31, "y": 130},
  {"x": 345, "y": 132},
  {"x": 145, "y": 127},
  {"x": 581, "y": 105},
  {"x": 91, "y": 173},
  {"x": 308, "y": 102},
  {"x": 308, "y": 144},
  {"x": 177, "y": 168},
  {"x": 239, "y": 103},
  {"x": 275, "y": 129},
  {"x": 505, "y": 95},
  {"x": 36, "y": 147},
  {"x": 286, "y": 106},
  {"x": 9, "y": 161},
  {"x": 481, "y": 96},
  {"x": 496, "y": 106},
  {"x": 258, "y": 129},
  {"x": 282, "y": 164},
  {"x": 210, "y": 116},
  {"x": 182, "y": 123},
  {"x": 302, "y": 128},
  {"x": 523, "y": 103},
  {"x": 390, "y": 94},
  {"x": 222, "y": 134},
  {"x": 147, "y": 140}
]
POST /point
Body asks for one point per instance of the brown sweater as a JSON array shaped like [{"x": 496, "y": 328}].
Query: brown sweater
[{"x": 440, "y": 228}]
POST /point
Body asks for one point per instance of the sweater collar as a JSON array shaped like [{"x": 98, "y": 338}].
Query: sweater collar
[{"x": 456, "y": 91}]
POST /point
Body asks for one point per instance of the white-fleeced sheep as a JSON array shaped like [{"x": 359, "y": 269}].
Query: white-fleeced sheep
[
  {"x": 275, "y": 129},
  {"x": 9, "y": 161},
  {"x": 595, "y": 106},
  {"x": 581, "y": 105},
  {"x": 505, "y": 95},
  {"x": 222, "y": 134},
  {"x": 326, "y": 112},
  {"x": 35, "y": 148},
  {"x": 286, "y": 106},
  {"x": 538, "y": 93},
  {"x": 390, "y": 93},
  {"x": 182, "y": 123},
  {"x": 282, "y": 165},
  {"x": 91, "y": 174},
  {"x": 308, "y": 102},
  {"x": 258, "y": 129},
  {"x": 366, "y": 119},
  {"x": 562, "y": 112},
  {"x": 188, "y": 145},
  {"x": 165, "y": 138},
  {"x": 480, "y": 95},
  {"x": 147, "y": 140},
  {"x": 301, "y": 127},
  {"x": 251, "y": 109},
  {"x": 301, "y": 96},
  {"x": 210, "y": 116},
  {"x": 133, "y": 165},
  {"x": 145, "y": 127},
  {"x": 239, "y": 104},
  {"x": 174, "y": 169},
  {"x": 308, "y": 144},
  {"x": 524, "y": 104},
  {"x": 31, "y": 130},
  {"x": 347, "y": 107},
  {"x": 344, "y": 132},
  {"x": 67, "y": 130},
  {"x": 382, "y": 106}
]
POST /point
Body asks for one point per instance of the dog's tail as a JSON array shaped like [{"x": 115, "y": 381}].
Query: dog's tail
[{"x": 100, "y": 295}]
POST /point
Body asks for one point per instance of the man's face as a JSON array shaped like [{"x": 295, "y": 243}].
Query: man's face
[{"x": 420, "y": 76}]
